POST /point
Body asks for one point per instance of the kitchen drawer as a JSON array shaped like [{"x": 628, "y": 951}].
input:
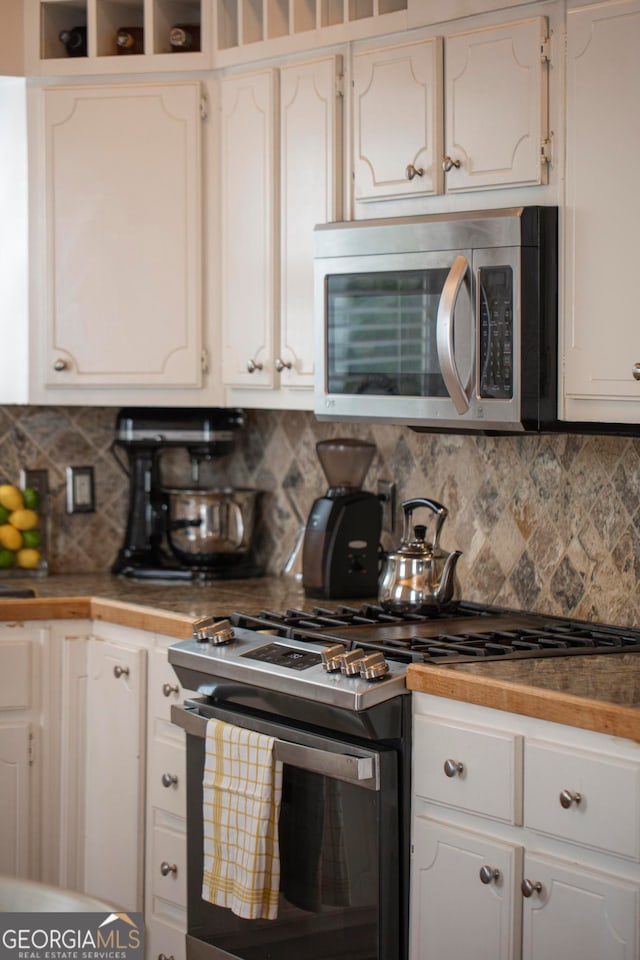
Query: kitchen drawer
[
  {"x": 164, "y": 688},
  {"x": 15, "y": 675},
  {"x": 168, "y": 760},
  {"x": 169, "y": 866},
  {"x": 471, "y": 768},
  {"x": 606, "y": 815},
  {"x": 164, "y": 940}
]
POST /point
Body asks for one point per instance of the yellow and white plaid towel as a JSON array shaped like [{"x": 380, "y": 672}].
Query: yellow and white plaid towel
[{"x": 242, "y": 788}]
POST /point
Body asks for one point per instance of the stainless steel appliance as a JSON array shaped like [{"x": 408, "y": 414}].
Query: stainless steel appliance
[
  {"x": 329, "y": 685},
  {"x": 186, "y": 533},
  {"x": 341, "y": 547},
  {"x": 444, "y": 321}
]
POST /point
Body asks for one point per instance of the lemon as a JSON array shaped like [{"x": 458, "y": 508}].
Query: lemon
[
  {"x": 10, "y": 538},
  {"x": 10, "y": 497},
  {"x": 28, "y": 558},
  {"x": 7, "y": 559},
  {"x": 31, "y": 498},
  {"x": 31, "y": 538},
  {"x": 23, "y": 519}
]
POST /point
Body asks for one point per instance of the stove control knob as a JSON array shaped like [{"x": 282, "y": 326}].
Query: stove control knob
[
  {"x": 350, "y": 662},
  {"x": 210, "y": 630},
  {"x": 331, "y": 657},
  {"x": 374, "y": 666}
]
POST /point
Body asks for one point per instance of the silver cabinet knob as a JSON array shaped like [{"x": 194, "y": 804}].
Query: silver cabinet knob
[
  {"x": 448, "y": 163},
  {"x": 119, "y": 671},
  {"x": 281, "y": 364},
  {"x": 453, "y": 768},
  {"x": 167, "y": 868},
  {"x": 636, "y": 371},
  {"x": 169, "y": 688},
  {"x": 412, "y": 171},
  {"x": 487, "y": 873},
  {"x": 528, "y": 887},
  {"x": 169, "y": 780},
  {"x": 59, "y": 365},
  {"x": 567, "y": 799},
  {"x": 166, "y": 956},
  {"x": 252, "y": 366}
]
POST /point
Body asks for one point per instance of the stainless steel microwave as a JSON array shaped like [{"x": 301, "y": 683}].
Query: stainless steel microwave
[{"x": 445, "y": 322}]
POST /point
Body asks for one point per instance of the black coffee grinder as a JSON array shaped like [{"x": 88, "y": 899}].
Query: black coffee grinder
[
  {"x": 142, "y": 434},
  {"x": 341, "y": 547}
]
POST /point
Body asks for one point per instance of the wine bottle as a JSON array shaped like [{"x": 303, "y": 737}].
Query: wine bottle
[
  {"x": 130, "y": 40},
  {"x": 74, "y": 40},
  {"x": 185, "y": 37}
]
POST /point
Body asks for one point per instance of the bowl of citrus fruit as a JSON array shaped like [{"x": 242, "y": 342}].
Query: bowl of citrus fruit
[{"x": 21, "y": 530}]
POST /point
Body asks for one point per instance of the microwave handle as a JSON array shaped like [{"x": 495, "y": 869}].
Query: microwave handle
[{"x": 445, "y": 326}]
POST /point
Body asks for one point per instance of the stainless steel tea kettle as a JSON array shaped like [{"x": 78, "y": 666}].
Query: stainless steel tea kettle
[{"x": 419, "y": 575}]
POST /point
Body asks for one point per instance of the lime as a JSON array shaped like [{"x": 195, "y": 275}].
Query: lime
[
  {"x": 10, "y": 496},
  {"x": 23, "y": 519},
  {"x": 4, "y": 514},
  {"x": 31, "y": 498},
  {"x": 31, "y": 538},
  {"x": 28, "y": 559},
  {"x": 7, "y": 559},
  {"x": 10, "y": 538}
]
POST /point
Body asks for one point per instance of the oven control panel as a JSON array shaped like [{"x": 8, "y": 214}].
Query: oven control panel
[{"x": 283, "y": 656}]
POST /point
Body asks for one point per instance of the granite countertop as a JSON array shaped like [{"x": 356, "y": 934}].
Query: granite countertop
[{"x": 599, "y": 693}]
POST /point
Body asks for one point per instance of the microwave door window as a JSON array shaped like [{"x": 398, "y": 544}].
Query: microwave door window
[{"x": 381, "y": 333}]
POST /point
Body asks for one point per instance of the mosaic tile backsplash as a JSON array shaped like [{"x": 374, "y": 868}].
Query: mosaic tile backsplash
[{"x": 547, "y": 523}]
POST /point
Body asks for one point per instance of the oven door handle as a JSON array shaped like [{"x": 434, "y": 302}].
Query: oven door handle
[
  {"x": 445, "y": 327},
  {"x": 363, "y": 770}
]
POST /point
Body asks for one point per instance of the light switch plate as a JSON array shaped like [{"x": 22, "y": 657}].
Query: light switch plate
[{"x": 80, "y": 490}]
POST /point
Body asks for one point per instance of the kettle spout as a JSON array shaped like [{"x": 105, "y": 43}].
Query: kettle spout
[{"x": 447, "y": 582}]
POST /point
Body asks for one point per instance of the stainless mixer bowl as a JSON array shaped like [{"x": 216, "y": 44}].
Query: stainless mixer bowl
[{"x": 209, "y": 526}]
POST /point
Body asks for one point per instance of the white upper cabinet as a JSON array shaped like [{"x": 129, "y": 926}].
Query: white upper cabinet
[
  {"x": 601, "y": 335},
  {"x": 280, "y": 177},
  {"x": 466, "y": 113},
  {"x": 121, "y": 305}
]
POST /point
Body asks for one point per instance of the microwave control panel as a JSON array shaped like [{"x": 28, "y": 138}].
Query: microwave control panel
[{"x": 495, "y": 326}]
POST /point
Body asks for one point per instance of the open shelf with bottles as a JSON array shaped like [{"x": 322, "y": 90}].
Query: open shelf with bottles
[{"x": 119, "y": 36}]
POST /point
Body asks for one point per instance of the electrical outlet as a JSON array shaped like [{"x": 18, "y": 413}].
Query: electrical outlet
[
  {"x": 387, "y": 497},
  {"x": 80, "y": 490}
]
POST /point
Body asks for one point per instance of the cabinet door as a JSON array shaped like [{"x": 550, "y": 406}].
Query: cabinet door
[
  {"x": 463, "y": 892},
  {"x": 310, "y": 116},
  {"x": 496, "y": 106},
  {"x": 123, "y": 214},
  {"x": 601, "y": 336},
  {"x": 578, "y": 913},
  {"x": 15, "y": 800},
  {"x": 114, "y": 788},
  {"x": 249, "y": 235},
  {"x": 397, "y": 119}
]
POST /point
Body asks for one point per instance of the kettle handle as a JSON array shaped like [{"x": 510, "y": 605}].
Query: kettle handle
[{"x": 441, "y": 514}]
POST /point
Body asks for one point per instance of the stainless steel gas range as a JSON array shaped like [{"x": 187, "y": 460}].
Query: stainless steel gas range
[{"x": 329, "y": 685}]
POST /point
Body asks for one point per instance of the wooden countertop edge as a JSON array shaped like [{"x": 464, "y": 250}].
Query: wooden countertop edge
[
  {"x": 132, "y": 615},
  {"x": 51, "y": 608},
  {"x": 555, "y": 706}
]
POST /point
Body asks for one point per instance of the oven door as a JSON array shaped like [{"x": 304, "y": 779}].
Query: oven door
[{"x": 339, "y": 836}]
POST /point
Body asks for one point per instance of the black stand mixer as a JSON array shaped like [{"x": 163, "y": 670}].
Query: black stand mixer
[
  {"x": 186, "y": 533},
  {"x": 341, "y": 547}
]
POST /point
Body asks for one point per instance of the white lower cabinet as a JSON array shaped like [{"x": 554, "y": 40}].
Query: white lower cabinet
[{"x": 557, "y": 873}]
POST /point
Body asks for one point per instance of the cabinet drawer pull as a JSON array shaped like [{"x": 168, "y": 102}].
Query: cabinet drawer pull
[
  {"x": 636, "y": 371},
  {"x": 412, "y": 171},
  {"x": 59, "y": 365},
  {"x": 252, "y": 366},
  {"x": 281, "y": 364},
  {"x": 487, "y": 873},
  {"x": 453, "y": 768},
  {"x": 528, "y": 887},
  {"x": 167, "y": 868},
  {"x": 448, "y": 163},
  {"x": 567, "y": 798},
  {"x": 166, "y": 956},
  {"x": 169, "y": 780},
  {"x": 169, "y": 688},
  {"x": 119, "y": 671}
]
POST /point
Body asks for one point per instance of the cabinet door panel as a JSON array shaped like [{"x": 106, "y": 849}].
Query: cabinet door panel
[
  {"x": 496, "y": 106},
  {"x": 578, "y": 913},
  {"x": 15, "y": 800},
  {"x": 124, "y": 235},
  {"x": 114, "y": 796},
  {"x": 446, "y": 882},
  {"x": 602, "y": 212},
  {"x": 397, "y": 110}
]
